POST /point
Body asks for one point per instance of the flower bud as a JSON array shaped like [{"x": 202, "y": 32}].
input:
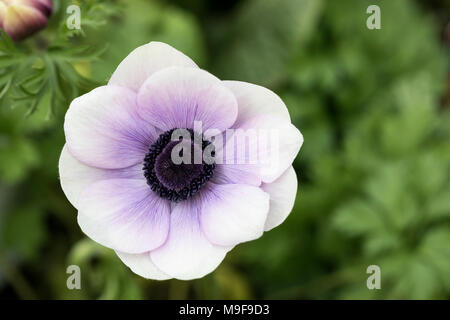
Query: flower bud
[{"x": 21, "y": 18}]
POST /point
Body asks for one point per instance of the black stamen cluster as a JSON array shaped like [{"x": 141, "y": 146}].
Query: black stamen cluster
[{"x": 192, "y": 186}]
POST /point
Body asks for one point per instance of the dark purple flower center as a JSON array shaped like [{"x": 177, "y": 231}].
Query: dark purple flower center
[{"x": 175, "y": 180}]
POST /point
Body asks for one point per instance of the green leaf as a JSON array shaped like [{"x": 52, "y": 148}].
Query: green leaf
[
  {"x": 24, "y": 232},
  {"x": 17, "y": 156},
  {"x": 358, "y": 218},
  {"x": 6, "y": 44},
  {"x": 439, "y": 206},
  {"x": 436, "y": 250},
  {"x": 263, "y": 37}
]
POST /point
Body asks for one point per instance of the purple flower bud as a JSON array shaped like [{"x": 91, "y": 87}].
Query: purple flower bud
[{"x": 21, "y": 18}]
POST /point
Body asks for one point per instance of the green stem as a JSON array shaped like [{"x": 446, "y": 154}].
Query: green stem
[{"x": 16, "y": 279}]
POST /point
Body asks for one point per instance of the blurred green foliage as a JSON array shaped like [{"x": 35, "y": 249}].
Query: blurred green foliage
[{"x": 374, "y": 171}]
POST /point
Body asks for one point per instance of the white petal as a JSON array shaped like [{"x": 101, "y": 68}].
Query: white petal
[
  {"x": 187, "y": 254},
  {"x": 142, "y": 265},
  {"x": 282, "y": 197},
  {"x": 145, "y": 60},
  {"x": 234, "y": 213},
  {"x": 124, "y": 215},
  {"x": 103, "y": 129},
  {"x": 279, "y": 142},
  {"x": 255, "y": 100},
  {"x": 75, "y": 176}
]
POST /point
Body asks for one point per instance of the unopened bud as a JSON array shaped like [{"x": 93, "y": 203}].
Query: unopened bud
[{"x": 21, "y": 18}]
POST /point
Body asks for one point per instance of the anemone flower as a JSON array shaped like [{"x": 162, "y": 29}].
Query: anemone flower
[
  {"x": 165, "y": 218},
  {"x": 21, "y": 18}
]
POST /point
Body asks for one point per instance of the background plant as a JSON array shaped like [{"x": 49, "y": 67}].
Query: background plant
[{"x": 373, "y": 172}]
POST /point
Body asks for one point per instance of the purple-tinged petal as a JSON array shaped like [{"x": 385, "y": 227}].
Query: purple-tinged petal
[
  {"x": 282, "y": 197},
  {"x": 145, "y": 60},
  {"x": 233, "y": 213},
  {"x": 176, "y": 97},
  {"x": 237, "y": 168},
  {"x": 237, "y": 174},
  {"x": 187, "y": 254},
  {"x": 75, "y": 176},
  {"x": 142, "y": 265},
  {"x": 255, "y": 100},
  {"x": 124, "y": 215},
  {"x": 104, "y": 130}
]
